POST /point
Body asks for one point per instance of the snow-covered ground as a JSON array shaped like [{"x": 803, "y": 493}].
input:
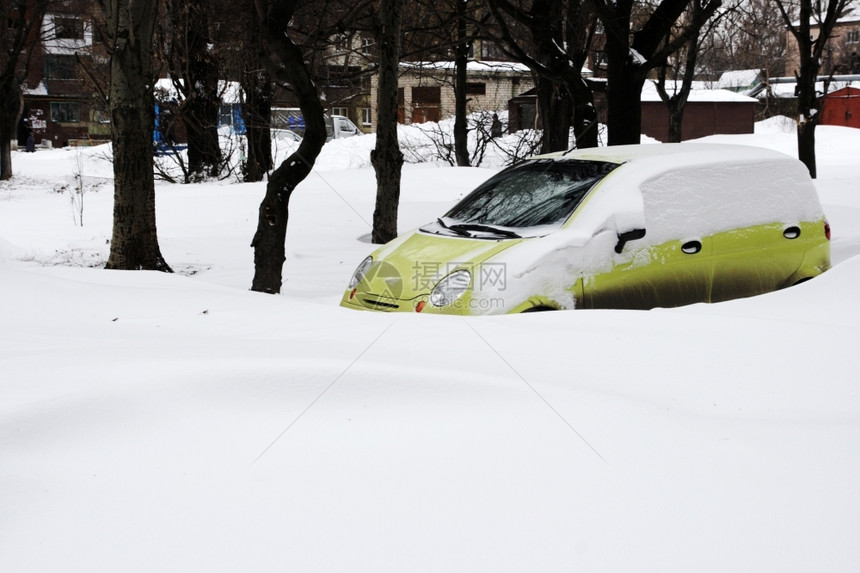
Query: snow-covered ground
[{"x": 155, "y": 422}]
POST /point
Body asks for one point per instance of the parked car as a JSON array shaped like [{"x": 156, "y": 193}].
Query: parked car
[
  {"x": 289, "y": 120},
  {"x": 632, "y": 227},
  {"x": 286, "y": 135},
  {"x": 339, "y": 127}
]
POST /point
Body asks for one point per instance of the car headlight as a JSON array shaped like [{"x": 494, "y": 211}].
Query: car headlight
[
  {"x": 450, "y": 288},
  {"x": 359, "y": 272}
]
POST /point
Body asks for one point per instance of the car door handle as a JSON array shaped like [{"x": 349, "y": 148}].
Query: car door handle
[
  {"x": 691, "y": 247},
  {"x": 792, "y": 232}
]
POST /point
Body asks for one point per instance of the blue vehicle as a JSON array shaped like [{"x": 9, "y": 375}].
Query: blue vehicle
[{"x": 163, "y": 140}]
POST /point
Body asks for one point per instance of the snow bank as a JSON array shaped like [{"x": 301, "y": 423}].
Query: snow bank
[{"x": 153, "y": 422}]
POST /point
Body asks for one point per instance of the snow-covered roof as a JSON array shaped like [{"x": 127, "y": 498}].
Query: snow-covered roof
[
  {"x": 229, "y": 91},
  {"x": 787, "y": 89},
  {"x": 850, "y": 14},
  {"x": 697, "y": 94},
  {"x": 737, "y": 79},
  {"x": 39, "y": 90},
  {"x": 471, "y": 66}
]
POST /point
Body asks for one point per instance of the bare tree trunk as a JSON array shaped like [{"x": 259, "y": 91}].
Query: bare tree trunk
[
  {"x": 630, "y": 56},
  {"x": 623, "y": 95},
  {"x": 193, "y": 61},
  {"x": 269, "y": 240},
  {"x": 257, "y": 112},
  {"x": 824, "y": 15},
  {"x": 676, "y": 119},
  {"x": 204, "y": 150},
  {"x": 807, "y": 112},
  {"x": 624, "y": 84},
  {"x": 5, "y": 158},
  {"x": 806, "y": 146},
  {"x": 585, "y": 127},
  {"x": 10, "y": 104},
  {"x": 461, "y": 130},
  {"x": 555, "y": 111},
  {"x": 134, "y": 244},
  {"x": 18, "y": 34},
  {"x": 678, "y": 100},
  {"x": 257, "y": 105},
  {"x": 584, "y": 114},
  {"x": 386, "y": 157},
  {"x": 560, "y": 35}
]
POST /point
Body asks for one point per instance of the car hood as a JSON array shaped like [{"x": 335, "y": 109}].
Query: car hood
[{"x": 411, "y": 265}]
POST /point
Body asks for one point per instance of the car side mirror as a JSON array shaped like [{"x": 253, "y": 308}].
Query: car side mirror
[{"x": 626, "y": 236}]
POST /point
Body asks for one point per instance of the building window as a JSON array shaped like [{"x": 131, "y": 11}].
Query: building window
[
  {"x": 490, "y": 51},
  {"x": 341, "y": 42},
  {"x": 61, "y": 67},
  {"x": 476, "y": 89},
  {"x": 101, "y": 116},
  {"x": 366, "y": 116},
  {"x": 339, "y": 111},
  {"x": 366, "y": 43},
  {"x": 423, "y": 95},
  {"x": 68, "y": 29},
  {"x": 852, "y": 37},
  {"x": 64, "y": 111},
  {"x": 426, "y": 104}
]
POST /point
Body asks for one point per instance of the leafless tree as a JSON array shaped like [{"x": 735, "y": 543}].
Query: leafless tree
[
  {"x": 635, "y": 45},
  {"x": 257, "y": 93},
  {"x": 129, "y": 27},
  {"x": 823, "y": 15},
  {"x": 286, "y": 64},
  {"x": 194, "y": 71},
  {"x": 680, "y": 73},
  {"x": 552, "y": 38},
  {"x": 21, "y": 31},
  {"x": 386, "y": 157}
]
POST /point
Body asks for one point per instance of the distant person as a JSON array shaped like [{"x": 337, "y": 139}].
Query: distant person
[
  {"x": 496, "y": 127},
  {"x": 31, "y": 143}
]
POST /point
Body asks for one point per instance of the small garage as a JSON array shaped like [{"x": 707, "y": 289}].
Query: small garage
[
  {"x": 708, "y": 112},
  {"x": 842, "y": 107}
]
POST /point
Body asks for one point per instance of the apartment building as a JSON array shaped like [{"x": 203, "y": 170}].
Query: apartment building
[
  {"x": 842, "y": 53},
  {"x": 59, "y": 104},
  {"x": 426, "y": 88}
]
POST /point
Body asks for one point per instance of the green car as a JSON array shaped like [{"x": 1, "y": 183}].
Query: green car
[{"x": 628, "y": 227}]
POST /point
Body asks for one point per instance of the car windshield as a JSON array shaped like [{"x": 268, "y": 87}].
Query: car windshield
[{"x": 534, "y": 193}]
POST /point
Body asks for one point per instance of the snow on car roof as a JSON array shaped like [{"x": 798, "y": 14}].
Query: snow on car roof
[
  {"x": 690, "y": 153},
  {"x": 737, "y": 79}
]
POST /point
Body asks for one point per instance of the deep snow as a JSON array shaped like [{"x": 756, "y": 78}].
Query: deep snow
[{"x": 153, "y": 422}]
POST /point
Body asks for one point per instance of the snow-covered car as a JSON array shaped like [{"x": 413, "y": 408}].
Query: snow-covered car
[
  {"x": 286, "y": 135},
  {"x": 634, "y": 227}
]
